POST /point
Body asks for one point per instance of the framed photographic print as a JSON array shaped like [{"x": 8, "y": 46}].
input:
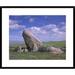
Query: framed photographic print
[{"x": 37, "y": 37}]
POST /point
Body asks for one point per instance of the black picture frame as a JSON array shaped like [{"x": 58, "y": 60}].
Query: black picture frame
[{"x": 35, "y": 67}]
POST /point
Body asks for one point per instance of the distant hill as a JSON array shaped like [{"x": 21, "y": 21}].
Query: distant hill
[{"x": 11, "y": 43}]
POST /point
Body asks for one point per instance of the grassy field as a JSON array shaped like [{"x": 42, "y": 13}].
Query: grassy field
[
  {"x": 38, "y": 55},
  {"x": 55, "y": 44}
]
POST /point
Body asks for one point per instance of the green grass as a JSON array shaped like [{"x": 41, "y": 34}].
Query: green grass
[
  {"x": 55, "y": 43},
  {"x": 38, "y": 55}
]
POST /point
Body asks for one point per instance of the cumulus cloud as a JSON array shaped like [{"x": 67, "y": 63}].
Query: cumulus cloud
[
  {"x": 63, "y": 28},
  {"x": 11, "y": 22},
  {"x": 35, "y": 28},
  {"x": 14, "y": 25},
  {"x": 49, "y": 32}
]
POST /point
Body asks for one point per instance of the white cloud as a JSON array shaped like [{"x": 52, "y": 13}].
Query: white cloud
[
  {"x": 35, "y": 28},
  {"x": 55, "y": 30},
  {"x": 11, "y": 22},
  {"x": 49, "y": 32},
  {"x": 63, "y": 28},
  {"x": 14, "y": 25},
  {"x": 50, "y": 26}
]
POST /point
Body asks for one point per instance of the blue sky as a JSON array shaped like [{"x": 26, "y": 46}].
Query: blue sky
[{"x": 44, "y": 27}]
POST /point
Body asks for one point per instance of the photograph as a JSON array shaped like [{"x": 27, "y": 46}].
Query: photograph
[{"x": 37, "y": 37}]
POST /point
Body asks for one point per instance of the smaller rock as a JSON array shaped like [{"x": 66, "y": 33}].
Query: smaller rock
[
  {"x": 63, "y": 49},
  {"x": 26, "y": 50},
  {"x": 55, "y": 50},
  {"x": 21, "y": 49},
  {"x": 43, "y": 49}
]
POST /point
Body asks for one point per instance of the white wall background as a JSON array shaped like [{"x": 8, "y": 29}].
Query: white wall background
[
  {"x": 37, "y": 2},
  {"x": 37, "y": 72}
]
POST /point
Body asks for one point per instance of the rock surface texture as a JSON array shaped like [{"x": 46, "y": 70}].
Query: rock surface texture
[{"x": 32, "y": 43}]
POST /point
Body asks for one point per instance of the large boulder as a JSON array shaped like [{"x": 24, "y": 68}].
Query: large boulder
[{"x": 32, "y": 43}]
